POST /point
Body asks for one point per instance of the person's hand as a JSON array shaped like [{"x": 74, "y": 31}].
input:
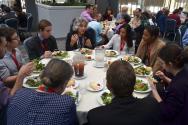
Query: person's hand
[
  {"x": 26, "y": 69},
  {"x": 88, "y": 43},
  {"x": 161, "y": 75},
  {"x": 47, "y": 54},
  {"x": 74, "y": 39},
  {"x": 152, "y": 84}
]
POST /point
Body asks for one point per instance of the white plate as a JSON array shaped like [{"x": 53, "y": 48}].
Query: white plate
[
  {"x": 146, "y": 82},
  {"x": 76, "y": 85},
  {"x": 99, "y": 99},
  {"x": 74, "y": 93},
  {"x": 29, "y": 77},
  {"x": 45, "y": 61},
  {"x": 93, "y": 90},
  {"x": 117, "y": 53},
  {"x": 140, "y": 61},
  {"x": 151, "y": 72},
  {"x": 79, "y": 78}
]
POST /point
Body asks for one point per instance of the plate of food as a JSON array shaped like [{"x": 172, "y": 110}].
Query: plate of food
[
  {"x": 60, "y": 54},
  {"x": 38, "y": 66},
  {"x": 32, "y": 82},
  {"x": 132, "y": 59},
  {"x": 111, "y": 53},
  {"x": 143, "y": 71},
  {"x": 72, "y": 84},
  {"x": 142, "y": 86},
  {"x": 104, "y": 97},
  {"x": 95, "y": 86},
  {"x": 74, "y": 94},
  {"x": 86, "y": 51}
]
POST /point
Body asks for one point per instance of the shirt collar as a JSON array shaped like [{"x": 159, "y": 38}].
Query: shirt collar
[{"x": 40, "y": 37}]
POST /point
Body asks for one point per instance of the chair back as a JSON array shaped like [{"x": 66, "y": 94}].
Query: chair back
[
  {"x": 170, "y": 25},
  {"x": 26, "y": 41},
  {"x": 12, "y": 22}
]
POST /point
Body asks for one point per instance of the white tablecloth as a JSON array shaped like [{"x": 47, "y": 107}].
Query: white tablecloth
[{"x": 89, "y": 99}]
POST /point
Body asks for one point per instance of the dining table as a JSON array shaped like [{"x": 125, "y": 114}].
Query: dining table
[{"x": 92, "y": 73}]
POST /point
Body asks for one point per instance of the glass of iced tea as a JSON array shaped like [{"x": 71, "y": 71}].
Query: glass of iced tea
[{"x": 78, "y": 64}]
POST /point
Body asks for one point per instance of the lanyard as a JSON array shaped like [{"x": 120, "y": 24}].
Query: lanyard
[
  {"x": 13, "y": 56},
  {"x": 46, "y": 89},
  {"x": 44, "y": 46}
]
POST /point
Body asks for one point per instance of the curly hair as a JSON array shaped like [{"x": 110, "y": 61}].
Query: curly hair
[{"x": 77, "y": 23}]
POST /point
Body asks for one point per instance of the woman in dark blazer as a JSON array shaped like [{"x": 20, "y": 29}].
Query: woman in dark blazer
[
  {"x": 79, "y": 37},
  {"x": 174, "y": 104}
]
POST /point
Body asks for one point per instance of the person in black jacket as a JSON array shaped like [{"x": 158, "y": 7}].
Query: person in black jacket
[
  {"x": 80, "y": 37},
  {"x": 43, "y": 44},
  {"x": 124, "y": 108}
]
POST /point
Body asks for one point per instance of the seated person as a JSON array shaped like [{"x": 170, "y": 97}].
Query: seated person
[
  {"x": 87, "y": 13},
  {"x": 124, "y": 20},
  {"x": 96, "y": 26},
  {"x": 12, "y": 61},
  {"x": 124, "y": 108},
  {"x": 121, "y": 42},
  {"x": 21, "y": 16},
  {"x": 124, "y": 10},
  {"x": 108, "y": 15},
  {"x": 173, "y": 105},
  {"x": 4, "y": 91},
  {"x": 185, "y": 38},
  {"x": 46, "y": 105},
  {"x": 43, "y": 44},
  {"x": 8, "y": 14},
  {"x": 79, "y": 38},
  {"x": 149, "y": 48}
]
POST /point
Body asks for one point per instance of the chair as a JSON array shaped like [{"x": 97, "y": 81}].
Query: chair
[
  {"x": 3, "y": 25},
  {"x": 170, "y": 28},
  {"x": 29, "y": 24},
  {"x": 91, "y": 33},
  {"x": 12, "y": 22}
]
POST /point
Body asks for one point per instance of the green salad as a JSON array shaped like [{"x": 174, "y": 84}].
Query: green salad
[
  {"x": 38, "y": 66},
  {"x": 141, "y": 70},
  {"x": 140, "y": 85},
  {"x": 106, "y": 98},
  {"x": 33, "y": 82},
  {"x": 61, "y": 54}
]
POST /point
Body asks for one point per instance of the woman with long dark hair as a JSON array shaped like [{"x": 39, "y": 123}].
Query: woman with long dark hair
[
  {"x": 121, "y": 41},
  {"x": 174, "y": 104}
]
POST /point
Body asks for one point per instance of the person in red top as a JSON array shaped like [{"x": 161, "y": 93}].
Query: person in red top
[{"x": 175, "y": 16}]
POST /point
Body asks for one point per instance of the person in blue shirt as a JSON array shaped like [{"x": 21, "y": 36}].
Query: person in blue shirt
[
  {"x": 185, "y": 38},
  {"x": 46, "y": 105},
  {"x": 96, "y": 26}
]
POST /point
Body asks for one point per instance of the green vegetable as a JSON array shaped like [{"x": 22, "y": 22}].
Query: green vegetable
[
  {"x": 33, "y": 82},
  {"x": 140, "y": 85},
  {"x": 71, "y": 95},
  {"x": 61, "y": 54},
  {"x": 38, "y": 66},
  {"x": 106, "y": 98}
]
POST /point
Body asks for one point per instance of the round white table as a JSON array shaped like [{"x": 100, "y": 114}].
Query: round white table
[{"x": 88, "y": 98}]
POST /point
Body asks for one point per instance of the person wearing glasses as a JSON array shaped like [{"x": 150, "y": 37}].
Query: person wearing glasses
[
  {"x": 12, "y": 61},
  {"x": 43, "y": 44}
]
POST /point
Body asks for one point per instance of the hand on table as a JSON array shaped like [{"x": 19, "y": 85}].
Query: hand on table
[{"x": 47, "y": 54}]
